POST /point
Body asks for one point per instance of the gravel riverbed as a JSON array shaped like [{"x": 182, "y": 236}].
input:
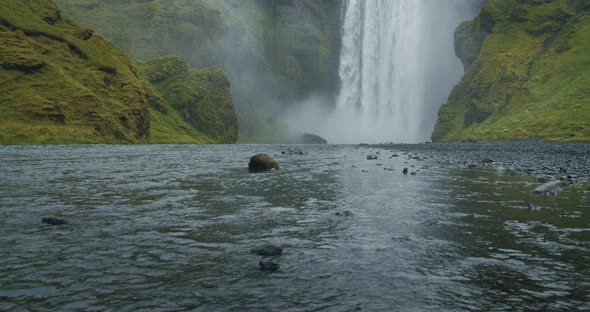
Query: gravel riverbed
[{"x": 569, "y": 162}]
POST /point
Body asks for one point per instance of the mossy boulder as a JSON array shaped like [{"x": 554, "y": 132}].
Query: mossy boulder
[{"x": 262, "y": 162}]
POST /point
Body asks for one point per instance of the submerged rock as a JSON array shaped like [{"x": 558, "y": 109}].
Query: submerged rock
[
  {"x": 54, "y": 221},
  {"x": 268, "y": 266},
  {"x": 267, "y": 250},
  {"x": 345, "y": 213},
  {"x": 262, "y": 162}
]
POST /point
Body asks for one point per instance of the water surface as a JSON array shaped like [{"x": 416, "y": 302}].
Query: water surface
[{"x": 169, "y": 228}]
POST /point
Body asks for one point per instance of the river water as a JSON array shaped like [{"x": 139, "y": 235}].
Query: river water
[{"x": 169, "y": 228}]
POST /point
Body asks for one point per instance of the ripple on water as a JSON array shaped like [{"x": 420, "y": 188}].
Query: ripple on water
[{"x": 170, "y": 228}]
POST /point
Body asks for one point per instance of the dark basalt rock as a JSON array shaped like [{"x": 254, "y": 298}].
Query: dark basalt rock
[
  {"x": 487, "y": 160},
  {"x": 54, "y": 221},
  {"x": 309, "y": 138},
  {"x": 262, "y": 162},
  {"x": 267, "y": 250}
]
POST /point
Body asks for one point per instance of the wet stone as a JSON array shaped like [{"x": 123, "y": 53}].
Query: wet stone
[{"x": 267, "y": 250}]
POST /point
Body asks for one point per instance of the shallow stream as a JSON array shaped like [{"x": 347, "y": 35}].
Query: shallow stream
[{"x": 169, "y": 228}]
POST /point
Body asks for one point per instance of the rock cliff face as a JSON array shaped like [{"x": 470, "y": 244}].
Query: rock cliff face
[
  {"x": 61, "y": 83},
  {"x": 275, "y": 52},
  {"x": 526, "y": 73}
]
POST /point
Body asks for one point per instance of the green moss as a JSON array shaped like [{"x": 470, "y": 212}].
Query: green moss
[
  {"x": 291, "y": 47},
  {"x": 201, "y": 97},
  {"x": 62, "y": 84},
  {"x": 54, "y": 78},
  {"x": 529, "y": 80}
]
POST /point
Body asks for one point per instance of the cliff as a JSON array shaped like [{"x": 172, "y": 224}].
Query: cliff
[
  {"x": 61, "y": 83},
  {"x": 526, "y": 74},
  {"x": 275, "y": 52}
]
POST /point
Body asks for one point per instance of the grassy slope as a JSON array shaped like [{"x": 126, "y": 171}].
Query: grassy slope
[
  {"x": 274, "y": 52},
  {"x": 200, "y": 98},
  {"x": 58, "y": 85},
  {"x": 529, "y": 78},
  {"x": 61, "y": 84}
]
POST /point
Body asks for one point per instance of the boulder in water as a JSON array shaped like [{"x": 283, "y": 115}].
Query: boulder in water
[
  {"x": 262, "y": 162},
  {"x": 268, "y": 266},
  {"x": 309, "y": 138},
  {"x": 267, "y": 250}
]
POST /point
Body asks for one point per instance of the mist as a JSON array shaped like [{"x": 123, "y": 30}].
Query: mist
[{"x": 397, "y": 67}]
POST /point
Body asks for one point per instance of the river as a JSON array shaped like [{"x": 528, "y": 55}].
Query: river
[{"x": 170, "y": 228}]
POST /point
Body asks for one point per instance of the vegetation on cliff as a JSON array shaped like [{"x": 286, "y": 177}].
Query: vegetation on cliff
[
  {"x": 61, "y": 83},
  {"x": 274, "y": 52},
  {"x": 527, "y": 74}
]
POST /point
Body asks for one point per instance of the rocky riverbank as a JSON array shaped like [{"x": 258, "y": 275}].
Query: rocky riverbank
[{"x": 569, "y": 162}]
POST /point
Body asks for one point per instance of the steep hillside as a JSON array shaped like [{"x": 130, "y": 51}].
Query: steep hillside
[
  {"x": 527, "y": 73},
  {"x": 60, "y": 83},
  {"x": 275, "y": 51},
  {"x": 200, "y": 98}
]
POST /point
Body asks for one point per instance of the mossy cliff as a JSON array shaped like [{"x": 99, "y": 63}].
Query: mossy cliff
[
  {"x": 200, "y": 97},
  {"x": 61, "y": 83},
  {"x": 275, "y": 52},
  {"x": 527, "y": 73}
]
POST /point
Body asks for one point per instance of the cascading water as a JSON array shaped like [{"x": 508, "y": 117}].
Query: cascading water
[{"x": 397, "y": 67}]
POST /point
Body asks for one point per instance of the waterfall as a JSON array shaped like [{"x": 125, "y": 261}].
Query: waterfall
[{"x": 397, "y": 68}]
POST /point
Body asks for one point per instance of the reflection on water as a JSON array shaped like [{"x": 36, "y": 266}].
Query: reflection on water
[{"x": 170, "y": 228}]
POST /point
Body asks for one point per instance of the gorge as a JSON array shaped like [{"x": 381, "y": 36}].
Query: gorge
[
  {"x": 122, "y": 187},
  {"x": 397, "y": 66}
]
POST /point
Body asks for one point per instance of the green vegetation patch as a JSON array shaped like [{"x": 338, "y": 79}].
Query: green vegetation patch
[
  {"x": 527, "y": 65},
  {"x": 61, "y": 83}
]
